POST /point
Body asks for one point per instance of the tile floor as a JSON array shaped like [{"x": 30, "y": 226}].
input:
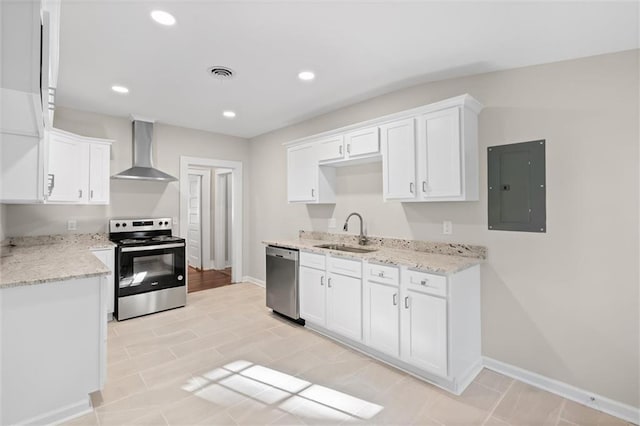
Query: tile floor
[{"x": 225, "y": 359}]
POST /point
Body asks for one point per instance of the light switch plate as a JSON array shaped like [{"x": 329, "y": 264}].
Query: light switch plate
[
  {"x": 447, "y": 227},
  {"x": 332, "y": 222},
  {"x": 72, "y": 225}
]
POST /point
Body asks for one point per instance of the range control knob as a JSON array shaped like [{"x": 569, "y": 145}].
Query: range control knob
[
  {"x": 166, "y": 223},
  {"x": 180, "y": 277},
  {"x": 124, "y": 224},
  {"x": 117, "y": 225}
]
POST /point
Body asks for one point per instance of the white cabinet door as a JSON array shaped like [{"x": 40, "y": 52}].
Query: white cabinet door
[
  {"x": 362, "y": 142},
  {"x": 344, "y": 305},
  {"x": 383, "y": 318},
  {"x": 440, "y": 162},
  {"x": 424, "y": 331},
  {"x": 99, "y": 173},
  {"x": 331, "y": 148},
  {"x": 106, "y": 257},
  {"x": 312, "y": 295},
  {"x": 398, "y": 160},
  {"x": 21, "y": 169},
  {"x": 302, "y": 173},
  {"x": 67, "y": 169}
]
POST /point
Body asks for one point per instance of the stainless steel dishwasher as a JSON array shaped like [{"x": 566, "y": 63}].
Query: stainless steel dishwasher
[{"x": 282, "y": 281}]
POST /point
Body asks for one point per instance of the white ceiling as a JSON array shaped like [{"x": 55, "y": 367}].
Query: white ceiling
[{"x": 357, "y": 49}]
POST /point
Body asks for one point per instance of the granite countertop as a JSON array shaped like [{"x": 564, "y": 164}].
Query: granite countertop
[
  {"x": 438, "y": 260},
  {"x": 51, "y": 258}
]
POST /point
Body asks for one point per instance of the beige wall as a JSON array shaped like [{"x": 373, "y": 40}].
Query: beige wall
[
  {"x": 128, "y": 198},
  {"x": 564, "y": 303}
]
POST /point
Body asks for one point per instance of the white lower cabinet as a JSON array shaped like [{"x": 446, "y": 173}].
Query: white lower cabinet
[
  {"x": 382, "y": 317},
  {"x": 312, "y": 295},
  {"x": 424, "y": 323},
  {"x": 329, "y": 299},
  {"x": 106, "y": 256},
  {"x": 424, "y": 331},
  {"x": 344, "y": 305}
]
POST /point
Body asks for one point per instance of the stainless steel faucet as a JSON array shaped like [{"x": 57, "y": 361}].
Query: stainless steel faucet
[{"x": 362, "y": 239}]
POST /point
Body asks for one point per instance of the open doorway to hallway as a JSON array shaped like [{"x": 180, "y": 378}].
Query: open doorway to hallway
[{"x": 211, "y": 218}]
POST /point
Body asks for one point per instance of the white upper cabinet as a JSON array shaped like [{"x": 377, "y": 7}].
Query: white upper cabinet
[
  {"x": 66, "y": 172},
  {"x": 306, "y": 181},
  {"x": 21, "y": 169},
  {"x": 331, "y": 148},
  {"x": 428, "y": 154},
  {"x": 362, "y": 142},
  {"x": 99, "y": 173},
  {"x": 398, "y": 159},
  {"x": 29, "y": 34}
]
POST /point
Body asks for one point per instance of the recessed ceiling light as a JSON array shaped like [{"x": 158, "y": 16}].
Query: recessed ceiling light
[
  {"x": 162, "y": 17},
  {"x": 229, "y": 114},
  {"x": 306, "y": 76},
  {"x": 120, "y": 89}
]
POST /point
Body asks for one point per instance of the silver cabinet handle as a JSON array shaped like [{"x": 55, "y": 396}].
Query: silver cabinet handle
[
  {"x": 79, "y": 193},
  {"x": 423, "y": 282},
  {"x": 348, "y": 148},
  {"x": 329, "y": 283},
  {"x": 381, "y": 274},
  {"x": 322, "y": 280},
  {"x": 395, "y": 299},
  {"x": 313, "y": 192},
  {"x": 340, "y": 149},
  {"x": 91, "y": 194},
  {"x": 411, "y": 187},
  {"x": 51, "y": 182},
  {"x": 406, "y": 302},
  {"x": 424, "y": 186}
]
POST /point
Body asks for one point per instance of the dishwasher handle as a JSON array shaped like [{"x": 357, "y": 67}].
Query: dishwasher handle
[{"x": 283, "y": 253}]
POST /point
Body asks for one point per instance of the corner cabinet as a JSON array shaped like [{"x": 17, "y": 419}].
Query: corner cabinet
[
  {"x": 61, "y": 168},
  {"x": 423, "y": 323},
  {"x": 428, "y": 154}
]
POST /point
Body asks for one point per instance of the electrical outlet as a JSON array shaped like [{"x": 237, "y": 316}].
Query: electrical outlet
[
  {"x": 332, "y": 222},
  {"x": 72, "y": 225},
  {"x": 447, "y": 227},
  {"x": 175, "y": 221}
]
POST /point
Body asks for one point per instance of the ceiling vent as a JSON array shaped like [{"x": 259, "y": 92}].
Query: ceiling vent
[{"x": 221, "y": 73}]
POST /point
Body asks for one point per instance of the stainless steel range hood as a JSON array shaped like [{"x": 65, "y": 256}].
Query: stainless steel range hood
[{"x": 142, "y": 149}]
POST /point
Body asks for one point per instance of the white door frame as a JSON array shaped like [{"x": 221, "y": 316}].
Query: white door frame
[
  {"x": 220, "y": 219},
  {"x": 205, "y": 214},
  {"x": 236, "y": 208}
]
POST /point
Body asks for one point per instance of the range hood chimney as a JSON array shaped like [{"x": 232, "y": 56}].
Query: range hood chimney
[{"x": 142, "y": 148}]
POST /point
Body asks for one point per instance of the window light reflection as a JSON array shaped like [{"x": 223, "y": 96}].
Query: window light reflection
[{"x": 238, "y": 380}]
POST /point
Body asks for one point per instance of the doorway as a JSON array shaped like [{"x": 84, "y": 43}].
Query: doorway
[
  {"x": 221, "y": 250},
  {"x": 198, "y": 217}
]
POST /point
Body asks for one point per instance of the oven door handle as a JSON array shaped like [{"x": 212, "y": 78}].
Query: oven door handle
[{"x": 156, "y": 247}]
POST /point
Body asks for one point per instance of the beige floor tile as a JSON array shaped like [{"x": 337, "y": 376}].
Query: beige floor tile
[
  {"x": 119, "y": 418},
  {"x": 116, "y": 354},
  {"x": 153, "y": 419},
  {"x": 152, "y": 399},
  {"x": 190, "y": 411},
  {"x": 182, "y": 368},
  {"x": 221, "y": 418},
  {"x": 406, "y": 401},
  {"x": 86, "y": 420},
  {"x": 493, "y": 380},
  {"x": 159, "y": 342},
  {"x": 371, "y": 381},
  {"x": 111, "y": 331},
  {"x": 118, "y": 389},
  {"x": 524, "y": 405},
  {"x": 494, "y": 421},
  {"x": 262, "y": 410},
  {"x": 210, "y": 341},
  {"x": 139, "y": 363},
  {"x": 585, "y": 416},
  {"x": 127, "y": 339}
]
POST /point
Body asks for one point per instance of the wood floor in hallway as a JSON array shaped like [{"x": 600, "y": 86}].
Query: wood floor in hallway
[{"x": 203, "y": 280}]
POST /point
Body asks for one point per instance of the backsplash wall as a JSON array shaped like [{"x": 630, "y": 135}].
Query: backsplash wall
[{"x": 561, "y": 304}]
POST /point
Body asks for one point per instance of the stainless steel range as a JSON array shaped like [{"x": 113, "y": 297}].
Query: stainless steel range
[{"x": 150, "y": 267}]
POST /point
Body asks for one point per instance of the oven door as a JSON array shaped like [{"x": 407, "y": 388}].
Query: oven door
[{"x": 143, "y": 269}]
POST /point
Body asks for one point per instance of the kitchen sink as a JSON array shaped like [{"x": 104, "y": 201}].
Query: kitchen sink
[{"x": 342, "y": 247}]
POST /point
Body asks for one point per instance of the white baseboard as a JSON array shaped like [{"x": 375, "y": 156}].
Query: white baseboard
[
  {"x": 61, "y": 414},
  {"x": 565, "y": 390},
  {"x": 252, "y": 280}
]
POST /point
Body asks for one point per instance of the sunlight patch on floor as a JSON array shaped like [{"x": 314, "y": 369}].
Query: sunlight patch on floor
[{"x": 241, "y": 379}]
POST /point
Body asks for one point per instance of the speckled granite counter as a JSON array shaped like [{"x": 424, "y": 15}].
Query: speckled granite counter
[
  {"x": 438, "y": 258},
  {"x": 50, "y": 258}
]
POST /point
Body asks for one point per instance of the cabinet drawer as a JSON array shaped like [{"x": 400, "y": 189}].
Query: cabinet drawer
[
  {"x": 312, "y": 260},
  {"x": 427, "y": 283},
  {"x": 349, "y": 267},
  {"x": 382, "y": 274}
]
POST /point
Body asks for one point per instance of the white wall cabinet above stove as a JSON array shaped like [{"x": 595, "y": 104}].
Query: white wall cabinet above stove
[{"x": 428, "y": 154}]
